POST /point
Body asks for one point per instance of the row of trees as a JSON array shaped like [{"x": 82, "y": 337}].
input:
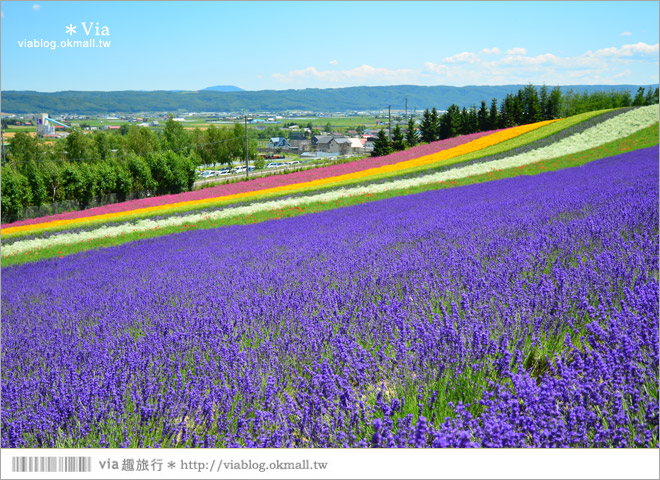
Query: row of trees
[
  {"x": 32, "y": 184},
  {"x": 528, "y": 105},
  {"x": 214, "y": 145},
  {"x": 90, "y": 169}
]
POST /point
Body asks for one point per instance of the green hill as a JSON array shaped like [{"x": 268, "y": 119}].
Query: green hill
[{"x": 311, "y": 99}]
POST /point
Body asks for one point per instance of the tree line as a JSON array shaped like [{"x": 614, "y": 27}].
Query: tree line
[
  {"x": 133, "y": 162},
  {"x": 528, "y": 105}
]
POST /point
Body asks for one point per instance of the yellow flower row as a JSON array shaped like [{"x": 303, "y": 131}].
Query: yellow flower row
[{"x": 434, "y": 158}]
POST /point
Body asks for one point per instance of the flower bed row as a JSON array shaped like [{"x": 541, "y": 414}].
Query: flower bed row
[
  {"x": 245, "y": 189},
  {"x": 259, "y": 183},
  {"x": 560, "y": 130},
  {"x": 145, "y": 225},
  {"x": 529, "y": 139}
]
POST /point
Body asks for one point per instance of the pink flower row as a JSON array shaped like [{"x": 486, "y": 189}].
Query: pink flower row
[{"x": 263, "y": 183}]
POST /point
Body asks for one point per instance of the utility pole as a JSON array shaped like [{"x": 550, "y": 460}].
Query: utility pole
[
  {"x": 389, "y": 119},
  {"x": 246, "y": 150},
  {"x": 406, "y": 107}
]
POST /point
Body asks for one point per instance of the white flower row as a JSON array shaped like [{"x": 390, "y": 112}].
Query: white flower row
[{"x": 617, "y": 127}]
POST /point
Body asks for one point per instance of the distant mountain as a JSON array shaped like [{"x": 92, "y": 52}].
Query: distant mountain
[
  {"x": 310, "y": 99},
  {"x": 224, "y": 88}
]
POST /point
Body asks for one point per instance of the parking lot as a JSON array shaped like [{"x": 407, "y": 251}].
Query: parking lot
[{"x": 211, "y": 176}]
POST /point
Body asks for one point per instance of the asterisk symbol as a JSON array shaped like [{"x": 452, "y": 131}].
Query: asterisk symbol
[
  {"x": 171, "y": 465},
  {"x": 70, "y": 29}
]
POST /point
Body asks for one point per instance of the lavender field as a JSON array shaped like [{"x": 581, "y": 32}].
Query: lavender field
[{"x": 522, "y": 312}]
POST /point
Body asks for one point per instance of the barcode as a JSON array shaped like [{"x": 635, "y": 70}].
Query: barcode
[{"x": 51, "y": 464}]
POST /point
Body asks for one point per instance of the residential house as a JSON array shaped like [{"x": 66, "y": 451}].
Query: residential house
[
  {"x": 278, "y": 142},
  {"x": 330, "y": 144},
  {"x": 344, "y": 145}
]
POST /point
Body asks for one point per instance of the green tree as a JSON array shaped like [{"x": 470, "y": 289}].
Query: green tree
[
  {"x": 89, "y": 185},
  {"x": 427, "y": 127},
  {"x": 52, "y": 175},
  {"x": 450, "y": 123},
  {"x": 102, "y": 145},
  {"x": 482, "y": 117},
  {"x": 493, "y": 118},
  {"x": 517, "y": 110},
  {"x": 544, "y": 97},
  {"x": 107, "y": 178},
  {"x": 382, "y": 145},
  {"x": 175, "y": 136},
  {"x": 23, "y": 148},
  {"x": 411, "y": 133},
  {"x": 626, "y": 99},
  {"x": 530, "y": 105},
  {"x": 236, "y": 144},
  {"x": 506, "y": 117},
  {"x": 141, "y": 140},
  {"x": 220, "y": 145},
  {"x": 465, "y": 122},
  {"x": 124, "y": 181},
  {"x": 37, "y": 183},
  {"x": 141, "y": 178},
  {"x": 16, "y": 194},
  {"x": 435, "y": 124},
  {"x": 639, "y": 98},
  {"x": 397, "y": 139},
  {"x": 473, "y": 119},
  {"x": 73, "y": 182},
  {"x": 79, "y": 146},
  {"x": 188, "y": 167},
  {"x": 554, "y": 104},
  {"x": 160, "y": 171}
]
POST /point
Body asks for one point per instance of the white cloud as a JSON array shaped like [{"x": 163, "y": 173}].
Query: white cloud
[
  {"x": 464, "y": 57},
  {"x": 626, "y": 34},
  {"x": 362, "y": 73},
  {"x": 605, "y": 66},
  {"x": 436, "y": 68},
  {"x": 547, "y": 58},
  {"x": 36, "y": 7},
  {"x": 333, "y": 62},
  {"x": 625, "y": 73},
  {"x": 635, "y": 63},
  {"x": 490, "y": 51},
  {"x": 639, "y": 48}
]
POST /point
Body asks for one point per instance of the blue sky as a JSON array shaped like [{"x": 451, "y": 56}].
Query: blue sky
[{"x": 283, "y": 45}]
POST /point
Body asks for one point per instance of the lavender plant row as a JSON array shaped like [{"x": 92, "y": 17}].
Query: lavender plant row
[{"x": 522, "y": 312}]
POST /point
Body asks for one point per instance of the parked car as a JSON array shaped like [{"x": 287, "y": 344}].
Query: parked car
[
  {"x": 224, "y": 171},
  {"x": 274, "y": 165}
]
